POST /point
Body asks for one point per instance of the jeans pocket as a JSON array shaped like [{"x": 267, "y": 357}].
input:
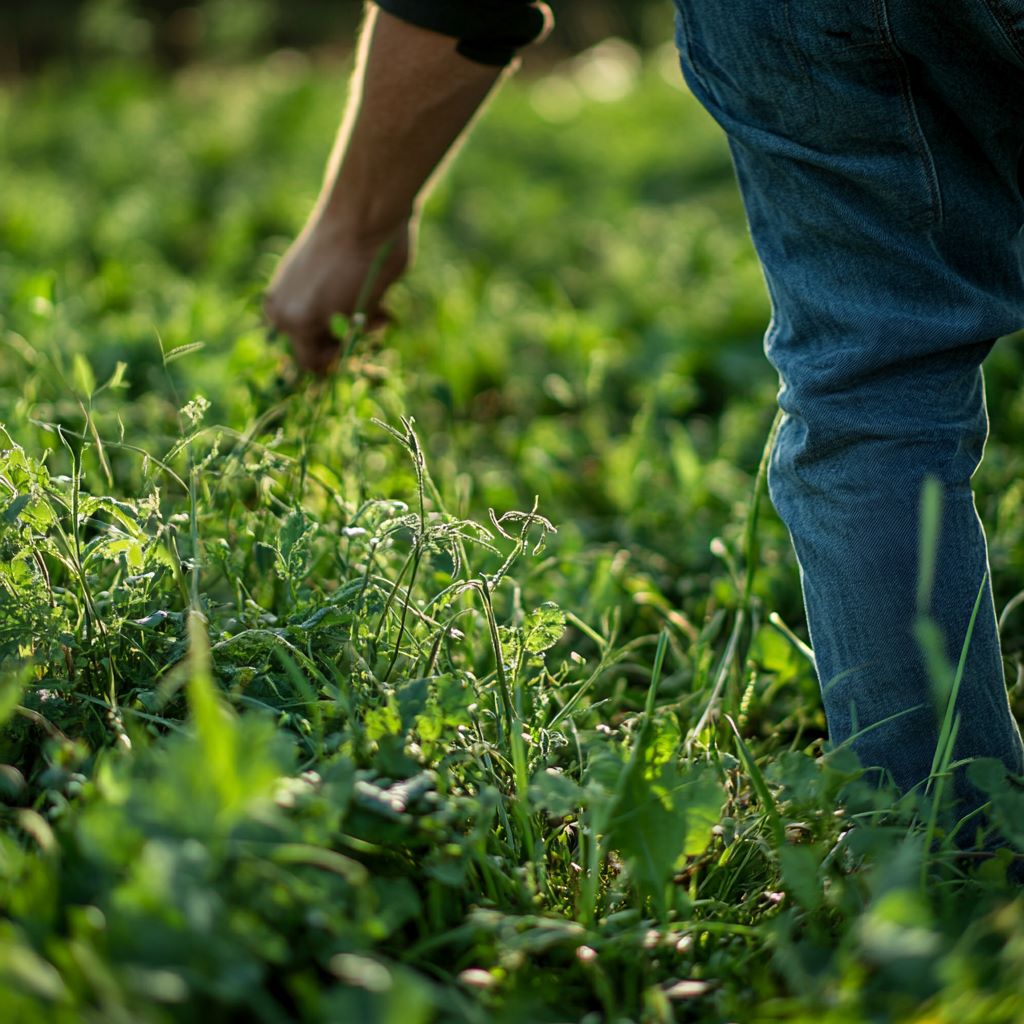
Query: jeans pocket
[
  {"x": 860, "y": 76},
  {"x": 821, "y": 81}
]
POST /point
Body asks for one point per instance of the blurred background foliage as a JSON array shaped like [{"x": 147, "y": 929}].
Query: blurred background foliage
[{"x": 172, "y": 32}]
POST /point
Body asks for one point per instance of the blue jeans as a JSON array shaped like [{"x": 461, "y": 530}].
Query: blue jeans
[{"x": 878, "y": 146}]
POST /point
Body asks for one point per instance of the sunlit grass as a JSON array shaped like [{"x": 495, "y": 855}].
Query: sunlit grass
[{"x": 471, "y": 685}]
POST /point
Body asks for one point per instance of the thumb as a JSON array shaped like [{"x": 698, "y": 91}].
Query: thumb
[{"x": 315, "y": 351}]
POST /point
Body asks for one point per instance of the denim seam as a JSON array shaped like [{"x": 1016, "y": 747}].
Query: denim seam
[
  {"x": 919, "y": 141},
  {"x": 790, "y": 36},
  {"x": 1014, "y": 39},
  {"x": 684, "y": 32}
]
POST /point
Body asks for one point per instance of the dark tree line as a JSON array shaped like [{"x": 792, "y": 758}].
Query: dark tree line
[{"x": 34, "y": 33}]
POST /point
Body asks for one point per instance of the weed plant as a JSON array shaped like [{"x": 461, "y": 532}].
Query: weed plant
[{"x": 316, "y": 711}]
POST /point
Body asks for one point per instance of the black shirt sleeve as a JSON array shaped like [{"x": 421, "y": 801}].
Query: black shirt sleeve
[{"x": 488, "y": 31}]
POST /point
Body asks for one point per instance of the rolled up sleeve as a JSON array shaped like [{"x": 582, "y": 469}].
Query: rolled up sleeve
[{"x": 488, "y": 31}]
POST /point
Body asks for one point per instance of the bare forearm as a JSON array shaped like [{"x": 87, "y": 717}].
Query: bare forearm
[{"x": 412, "y": 97}]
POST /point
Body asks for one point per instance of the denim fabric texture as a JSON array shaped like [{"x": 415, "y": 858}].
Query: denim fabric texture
[{"x": 878, "y": 145}]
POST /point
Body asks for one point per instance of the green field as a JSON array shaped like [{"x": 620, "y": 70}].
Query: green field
[{"x": 468, "y": 686}]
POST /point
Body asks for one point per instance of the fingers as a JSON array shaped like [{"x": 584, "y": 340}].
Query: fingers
[
  {"x": 318, "y": 350},
  {"x": 315, "y": 348},
  {"x": 314, "y": 345},
  {"x": 322, "y": 274},
  {"x": 315, "y": 351}
]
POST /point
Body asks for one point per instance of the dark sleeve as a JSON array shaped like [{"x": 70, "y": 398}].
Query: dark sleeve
[{"x": 488, "y": 31}]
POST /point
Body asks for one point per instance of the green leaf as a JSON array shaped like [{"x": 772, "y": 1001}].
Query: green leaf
[
  {"x": 802, "y": 779},
  {"x": 799, "y": 866},
  {"x": 24, "y": 968},
  {"x": 383, "y": 721},
  {"x": 1007, "y": 797},
  {"x": 757, "y": 780},
  {"x": 117, "y": 377},
  {"x": 664, "y": 813},
  {"x": 12, "y": 685},
  {"x": 130, "y": 548},
  {"x": 446, "y": 710},
  {"x": 552, "y": 791},
  {"x": 543, "y": 627},
  {"x": 412, "y": 700},
  {"x": 125, "y": 514},
  {"x": 14, "y": 509},
  {"x": 293, "y": 543},
  {"x": 216, "y": 727},
  {"x": 774, "y": 652},
  {"x": 151, "y": 620},
  {"x": 511, "y": 638},
  {"x": 339, "y": 325},
  {"x": 82, "y": 375}
]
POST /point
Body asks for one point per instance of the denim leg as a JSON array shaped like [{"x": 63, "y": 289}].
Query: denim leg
[
  {"x": 876, "y": 145},
  {"x": 846, "y": 477}
]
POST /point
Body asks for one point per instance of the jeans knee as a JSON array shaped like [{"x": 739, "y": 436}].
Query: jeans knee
[{"x": 872, "y": 434}]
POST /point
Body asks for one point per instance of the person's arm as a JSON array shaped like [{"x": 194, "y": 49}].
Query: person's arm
[{"x": 412, "y": 96}]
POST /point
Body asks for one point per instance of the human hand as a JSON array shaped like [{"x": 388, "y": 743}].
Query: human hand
[{"x": 329, "y": 270}]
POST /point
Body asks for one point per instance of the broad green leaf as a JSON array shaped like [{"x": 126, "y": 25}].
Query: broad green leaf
[
  {"x": 125, "y": 514},
  {"x": 543, "y": 627},
  {"x": 446, "y": 709},
  {"x": 553, "y": 791},
  {"x": 773, "y": 651},
  {"x": 411, "y": 700},
  {"x": 1007, "y": 797},
  {"x": 383, "y": 721},
  {"x": 663, "y": 819},
  {"x": 130, "y": 548},
  {"x": 664, "y": 813},
  {"x": 799, "y": 865}
]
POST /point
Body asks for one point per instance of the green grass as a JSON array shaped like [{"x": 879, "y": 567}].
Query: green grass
[{"x": 317, "y": 712}]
